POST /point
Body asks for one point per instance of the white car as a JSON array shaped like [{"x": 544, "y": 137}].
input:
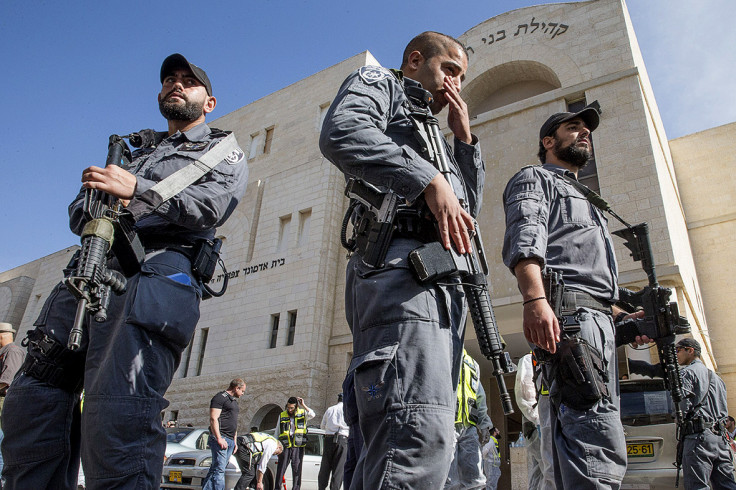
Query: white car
[
  {"x": 180, "y": 439},
  {"x": 186, "y": 470}
]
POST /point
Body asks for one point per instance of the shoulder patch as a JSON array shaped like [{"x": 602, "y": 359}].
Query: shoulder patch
[
  {"x": 374, "y": 74},
  {"x": 235, "y": 156}
]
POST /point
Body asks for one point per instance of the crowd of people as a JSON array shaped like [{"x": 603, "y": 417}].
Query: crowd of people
[{"x": 414, "y": 414}]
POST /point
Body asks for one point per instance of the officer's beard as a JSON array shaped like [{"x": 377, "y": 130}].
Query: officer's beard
[
  {"x": 172, "y": 111},
  {"x": 572, "y": 154}
]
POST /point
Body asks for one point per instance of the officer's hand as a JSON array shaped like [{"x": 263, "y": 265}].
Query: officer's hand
[
  {"x": 259, "y": 485},
  {"x": 458, "y": 119},
  {"x": 222, "y": 443},
  {"x": 640, "y": 339},
  {"x": 541, "y": 326},
  {"x": 454, "y": 222},
  {"x": 111, "y": 179}
]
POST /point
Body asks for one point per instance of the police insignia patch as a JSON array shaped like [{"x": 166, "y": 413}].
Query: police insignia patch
[
  {"x": 235, "y": 156},
  {"x": 373, "y": 74},
  {"x": 373, "y": 391}
]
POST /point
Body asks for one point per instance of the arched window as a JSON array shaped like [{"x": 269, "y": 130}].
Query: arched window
[{"x": 508, "y": 83}]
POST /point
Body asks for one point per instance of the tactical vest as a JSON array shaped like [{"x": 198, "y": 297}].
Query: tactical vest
[
  {"x": 466, "y": 411},
  {"x": 300, "y": 429},
  {"x": 253, "y": 442}
]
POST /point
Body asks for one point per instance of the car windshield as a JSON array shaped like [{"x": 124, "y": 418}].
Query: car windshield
[
  {"x": 176, "y": 434},
  {"x": 646, "y": 402}
]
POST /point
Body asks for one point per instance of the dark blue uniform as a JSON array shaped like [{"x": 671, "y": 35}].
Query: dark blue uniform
[{"x": 128, "y": 361}]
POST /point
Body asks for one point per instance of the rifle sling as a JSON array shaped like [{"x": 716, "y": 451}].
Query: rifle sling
[{"x": 184, "y": 177}]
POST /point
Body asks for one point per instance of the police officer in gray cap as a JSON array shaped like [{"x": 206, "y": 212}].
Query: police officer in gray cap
[
  {"x": 550, "y": 224},
  {"x": 706, "y": 461},
  {"x": 407, "y": 336},
  {"x": 126, "y": 364}
]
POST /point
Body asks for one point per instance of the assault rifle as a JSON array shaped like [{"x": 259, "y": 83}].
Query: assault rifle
[
  {"x": 92, "y": 283},
  {"x": 432, "y": 262},
  {"x": 661, "y": 321}
]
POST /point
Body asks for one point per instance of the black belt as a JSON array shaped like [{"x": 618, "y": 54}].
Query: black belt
[{"x": 572, "y": 300}]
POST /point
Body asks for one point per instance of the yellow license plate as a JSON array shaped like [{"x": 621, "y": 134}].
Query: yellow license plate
[
  {"x": 175, "y": 476},
  {"x": 645, "y": 450}
]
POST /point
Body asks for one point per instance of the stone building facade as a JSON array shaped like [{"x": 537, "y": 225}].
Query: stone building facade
[{"x": 281, "y": 325}]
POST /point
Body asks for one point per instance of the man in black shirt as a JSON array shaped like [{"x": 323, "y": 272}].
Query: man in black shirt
[{"x": 223, "y": 432}]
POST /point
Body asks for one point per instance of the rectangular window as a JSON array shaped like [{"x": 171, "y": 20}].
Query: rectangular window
[
  {"x": 269, "y": 139},
  {"x": 274, "y": 330},
  {"x": 304, "y": 218},
  {"x": 284, "y": 228},
  {"x": 255, "y": 143},
  {"x": 322, "y": 113},
  {"x": 187, "y": 357},
  {"x": 292, "y": 328},
  {"x": 587, "y": 175},
  {"x": 174, "y": 415},
  {"x": 202, "y": 346}
]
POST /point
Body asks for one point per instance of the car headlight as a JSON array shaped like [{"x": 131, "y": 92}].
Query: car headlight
[{"x": 206, "y": 462}]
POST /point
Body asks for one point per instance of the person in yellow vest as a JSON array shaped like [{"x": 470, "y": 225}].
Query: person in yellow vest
[
  {"x": 492, "y": 460},
  {"x": 292, "y": 433},
  {"x": 254, "y": 451},
  {"x": 471, "y": 417}
]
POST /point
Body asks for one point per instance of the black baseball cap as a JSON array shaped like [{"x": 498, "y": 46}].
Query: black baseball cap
[
  {"x": 175, "y": 61},
  {"x": 688, "y": 342},
  {"x": 590, "y": 115}
]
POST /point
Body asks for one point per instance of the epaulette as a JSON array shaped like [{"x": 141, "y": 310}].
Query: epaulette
[{"x": 219, "y": 133}]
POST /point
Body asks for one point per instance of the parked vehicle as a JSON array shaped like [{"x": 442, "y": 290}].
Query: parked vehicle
[
  {"x": 648, "y": 417},
  {"x": 186, "y": 470},
  {"x": 180, "y": 439}
]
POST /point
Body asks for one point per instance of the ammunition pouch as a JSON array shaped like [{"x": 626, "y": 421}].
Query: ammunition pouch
[
  {"x": 579, "y": 371},
  {"x": 51, "y": 362},
  {"x": 697, "y": 425}
]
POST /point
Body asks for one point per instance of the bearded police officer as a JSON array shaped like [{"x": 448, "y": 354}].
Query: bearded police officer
[
  {"x": 127, "y": 362},
  {"x": 407, "y": 336},
  {"x": 550, "y": 224}
]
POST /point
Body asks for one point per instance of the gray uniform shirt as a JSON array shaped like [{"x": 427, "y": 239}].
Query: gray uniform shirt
[
  {"x": 368, "y": 134},
  {"x": 695, "y": 385},
  {"x": 551, "y": 221},
  {"x": 194, "y": 212}
]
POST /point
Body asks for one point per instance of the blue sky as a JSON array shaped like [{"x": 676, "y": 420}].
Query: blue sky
[{"x": 75, "y": 72}]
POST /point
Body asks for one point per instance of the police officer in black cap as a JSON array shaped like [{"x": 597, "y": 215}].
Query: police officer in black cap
[
  {"x": 126, "y": 364},
  {"x": 550, "y": 224},
  {"x": 706, "y": 461}
]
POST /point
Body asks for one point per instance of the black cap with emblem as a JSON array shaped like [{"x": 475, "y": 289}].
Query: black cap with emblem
[
  {"x": 175, "y": 61},
  {"x": 590, "y": 115}
]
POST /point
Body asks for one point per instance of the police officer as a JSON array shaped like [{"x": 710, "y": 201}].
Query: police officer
[
  {"x": 128, "y": 361},
  {"x": 549, "y": 223},
  {"x": 706, "y": 461},
  {"x": 466, "y": 470},
  {"x": 407, "y": 336}
]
